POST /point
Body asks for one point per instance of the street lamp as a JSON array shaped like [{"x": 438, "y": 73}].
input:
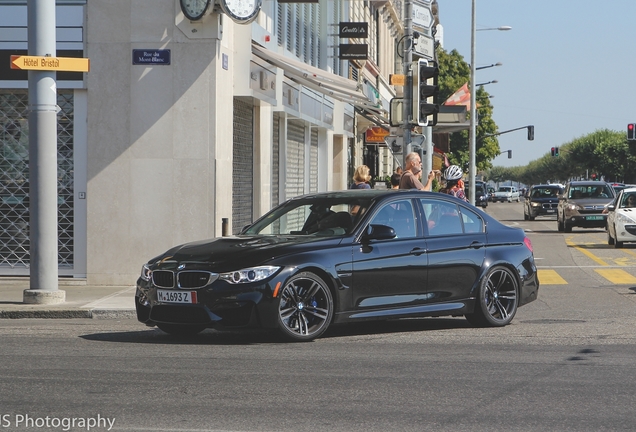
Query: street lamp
[
  {"x": 489, "y": 66},
  {"x": 473, "y": 108},
  {"x": 486, "y": 83}
]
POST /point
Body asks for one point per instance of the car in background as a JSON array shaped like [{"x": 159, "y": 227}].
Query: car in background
[
  {"x": 481, "y": 193},
  {"x": 506, "y": 193},
  {"x": 541, "y": 200},
  {"x": 582, "y": 204},
  {"x": 621, "y": 218},
  {"x": 491, "y": 193},
  {"x": 344, "y": 257}
]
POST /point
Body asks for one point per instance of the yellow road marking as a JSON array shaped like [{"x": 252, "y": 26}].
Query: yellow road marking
[
  {"x": 550, "y": 277},
  {"x": 616, "y": 276},
  {"x": 589, "y": 254}
]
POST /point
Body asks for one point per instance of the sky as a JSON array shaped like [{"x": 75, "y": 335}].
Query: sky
[{"x": 569, "y": 67}]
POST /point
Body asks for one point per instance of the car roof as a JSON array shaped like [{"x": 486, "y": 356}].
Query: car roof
[
  {"x": 588, "y": 183},
  {"x": 628, "y": 190},
  {"x": 553, "y": 186}
]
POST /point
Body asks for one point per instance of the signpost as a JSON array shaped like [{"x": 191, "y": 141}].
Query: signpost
[
  {"x": 422, "y": 17},
  {"x": 69, "y": 64}
]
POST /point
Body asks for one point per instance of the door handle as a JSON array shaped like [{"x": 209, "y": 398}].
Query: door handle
[
  {"x": 476, "y": 245},
  {"x": 417, "y": 251}
]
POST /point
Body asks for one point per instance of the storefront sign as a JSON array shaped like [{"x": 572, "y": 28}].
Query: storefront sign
[
  {"x": 354, "y": 51},
  {"x": 353, "y": 30}
]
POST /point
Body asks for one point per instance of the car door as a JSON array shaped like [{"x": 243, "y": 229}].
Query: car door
[
  {"x": 391, "y": 273},
  {"x": 456, "y": 249}
]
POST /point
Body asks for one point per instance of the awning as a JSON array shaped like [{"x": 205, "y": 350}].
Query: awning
[{"x": 332, "y": 85}]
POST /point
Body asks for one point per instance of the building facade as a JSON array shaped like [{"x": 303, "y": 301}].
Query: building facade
[{"x": 184, "y": 130}]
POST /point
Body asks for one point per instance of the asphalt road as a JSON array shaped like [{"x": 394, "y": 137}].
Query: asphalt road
[{"x": 566, "y": 363}]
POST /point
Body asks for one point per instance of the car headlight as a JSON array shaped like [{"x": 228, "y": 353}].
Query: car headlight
[
  {"x": 535, "y": 204},
  {"x": 574, "y": 207},
  {"x": 248, "y": 275},
  {"x": 623, "y": 218},
  {"x": 146, "y": 273}
]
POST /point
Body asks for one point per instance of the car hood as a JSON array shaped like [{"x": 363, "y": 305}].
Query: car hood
[
  {"x": 597, "y": 203},
  {"x": 223, "y": 254}
]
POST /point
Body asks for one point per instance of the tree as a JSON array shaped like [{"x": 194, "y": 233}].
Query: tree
[{"x": 454, "y": 73}]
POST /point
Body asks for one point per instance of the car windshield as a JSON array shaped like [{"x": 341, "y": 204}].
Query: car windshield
[
  {"x": 505, "y": 189},
  {"x": 590, "y": 191},
  {"x": 544, "y": 192},
  {"x": 325, "y": 216}
]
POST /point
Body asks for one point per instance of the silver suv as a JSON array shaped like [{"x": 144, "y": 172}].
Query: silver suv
[{"x": 582, "y": 204}]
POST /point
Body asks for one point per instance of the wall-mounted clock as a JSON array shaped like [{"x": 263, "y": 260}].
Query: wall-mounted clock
[
  {"x": 194, "y": 9},
  {"x": 241, "y": 11}
]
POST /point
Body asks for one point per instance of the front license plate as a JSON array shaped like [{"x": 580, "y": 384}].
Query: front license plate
[
  {"x": 594, "y": 217},
  {"x": 549, "y": 211},
  {"x": 167, "y": 296}
]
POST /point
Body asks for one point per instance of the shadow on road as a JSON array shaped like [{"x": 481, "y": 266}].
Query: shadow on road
[{"x": 252, "y": 337}]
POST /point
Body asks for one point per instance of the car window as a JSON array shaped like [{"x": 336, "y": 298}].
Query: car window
[
  {"x": 471, "y": 221},
  {"x": 324, "y": 217},
  {"x": 398, "y": 215},
  {"x": 442, "y": 218},
  {"x": 628, "y": 200},
  {"x": 590, "y": 191}
]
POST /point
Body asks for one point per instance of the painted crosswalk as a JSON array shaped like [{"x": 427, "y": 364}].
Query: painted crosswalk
[{"x": 613, "y": 275}]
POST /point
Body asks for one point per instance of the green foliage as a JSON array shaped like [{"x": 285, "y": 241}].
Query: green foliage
[
  {"x": 454, "y": 73},
  {"x": 604, "y": 153}
]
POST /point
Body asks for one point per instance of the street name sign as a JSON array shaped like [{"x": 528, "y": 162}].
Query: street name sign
[
  {"x": 68, "y": 64},
  {"x": 424, "y": 46},
  {"x": 422, "y": 17}
]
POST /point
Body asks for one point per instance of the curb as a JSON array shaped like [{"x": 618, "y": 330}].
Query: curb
[{"x": 74, "y": 313}]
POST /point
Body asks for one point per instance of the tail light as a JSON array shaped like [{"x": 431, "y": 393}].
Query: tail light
[{"x": 528, "y": 243}]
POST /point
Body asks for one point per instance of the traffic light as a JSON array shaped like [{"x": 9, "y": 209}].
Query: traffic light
[
  {"x": 631, "y": 132},
  {"x": 425, "y": 92},
  {"x": 530, "y": 133},
  {"x": 556, "y": 151},
  {"x": 553, "y": 151},
  {"x": 509, "y": 154}
]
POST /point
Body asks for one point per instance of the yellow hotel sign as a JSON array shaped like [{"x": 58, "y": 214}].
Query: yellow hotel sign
[{"x": 68, "y": 64}]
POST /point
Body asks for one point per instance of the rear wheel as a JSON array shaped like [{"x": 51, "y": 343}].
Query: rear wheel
[
  {"x": 497, "y": 300},
  {"x": 305, "y": 307}
]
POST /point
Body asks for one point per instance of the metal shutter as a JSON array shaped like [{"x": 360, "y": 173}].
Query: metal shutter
[
  {"x": 295, "y": 180},
  {"x": 242, "y": 165},
  {"x": 313, "y": 161}
]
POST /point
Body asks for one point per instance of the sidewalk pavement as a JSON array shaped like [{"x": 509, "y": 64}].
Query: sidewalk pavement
[{"x": 82, "y": 301}]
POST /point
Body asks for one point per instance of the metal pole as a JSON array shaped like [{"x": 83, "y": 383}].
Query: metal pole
[
  {"x": 408, "y": 91},
  {"x": 42, "y": 158},
  {"x": 473, "y": 111}
]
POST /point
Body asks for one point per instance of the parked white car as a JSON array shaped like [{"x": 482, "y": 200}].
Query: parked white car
[
  {"x": 621, "y": 218},
  {"x": 506, "y": 193}
]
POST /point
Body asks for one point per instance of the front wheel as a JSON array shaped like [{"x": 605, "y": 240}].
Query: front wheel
[
  {"x": 497, "y": 299},
  {"x": 305, "y": 308}
]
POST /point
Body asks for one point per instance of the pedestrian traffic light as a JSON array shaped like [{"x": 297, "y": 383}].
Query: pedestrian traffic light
[
  {"x": 553, "y": 151},
  {"x": 631, "y": 132},
  {"x": 531, "y": 133},
  {"x": 425, "y": 90}
]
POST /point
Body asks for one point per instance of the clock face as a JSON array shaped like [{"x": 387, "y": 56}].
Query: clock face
[
  {"x": 241, "y": 11},
  {"x": 194, "y": 9}
]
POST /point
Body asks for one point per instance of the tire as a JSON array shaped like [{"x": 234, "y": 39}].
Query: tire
[
  {"x": 497, "y": 299},
  {"x": 181, "y": 329},
  {"x": 610, "y": 239},
  {"x": 617, "y": 244},
  {"x": 305, "y": 308},
  {"x": 567, "y": 227},
  {"x": 530, "y": 218},
  {"x": 559, "y": 224},
  {"x": 525, "y": 215}
]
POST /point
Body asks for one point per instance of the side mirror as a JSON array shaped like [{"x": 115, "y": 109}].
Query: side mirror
[
  {"x": 611, "y": 207},
  {"x": 378, "y": 232}
]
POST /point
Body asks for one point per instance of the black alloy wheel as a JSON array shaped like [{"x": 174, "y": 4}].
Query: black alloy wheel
[
  {"x": 497, "y": 300},
  {"x": 305, "y": 309},
  {"x": 181, "y": 329}
]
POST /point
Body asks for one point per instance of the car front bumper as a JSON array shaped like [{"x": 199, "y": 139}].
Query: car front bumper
[{"x": 587, "y": 221}]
